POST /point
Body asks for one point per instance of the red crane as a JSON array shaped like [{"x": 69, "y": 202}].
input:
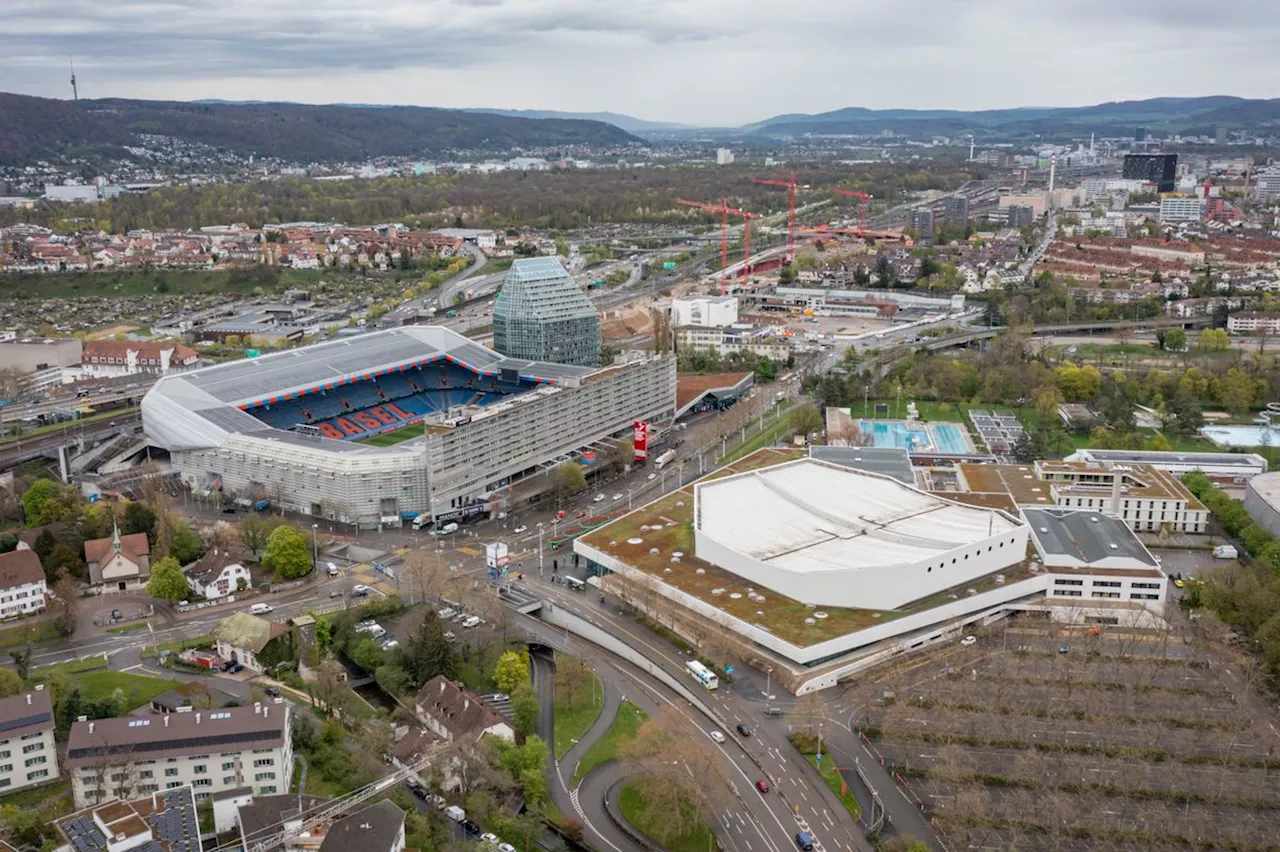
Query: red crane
[
  {"x": 791, "y": 186},
  {"x": 723, "y": 209},
  {"x": 747, "y": 216},
  {"x": 862, "y": 227}
]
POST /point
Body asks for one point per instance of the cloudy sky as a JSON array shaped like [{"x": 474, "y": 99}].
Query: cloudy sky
[{"x": 698, "y": 61}]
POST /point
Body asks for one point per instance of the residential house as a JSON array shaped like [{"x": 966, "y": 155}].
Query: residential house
[
  {"x": 216, "y": 575},
  {"x": 254, "y": 642},
  {"x": 377, "y": 828},
  {"x": 1254, "y": 322},
  {"x": 28, "y": 755},
  {"x": 109, "y": 358},
  {"x": 210, "y": 751},
  {"x": 455, "y": 713},
  {"x": 22, "y": 584},
  {"x": 259, "y": 819},
  {"x": 164, "y": 821},
  {"x": 121, "y": 563}
]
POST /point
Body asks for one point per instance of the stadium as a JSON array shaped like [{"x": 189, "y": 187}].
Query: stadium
[{"x": 388, "y": 425}]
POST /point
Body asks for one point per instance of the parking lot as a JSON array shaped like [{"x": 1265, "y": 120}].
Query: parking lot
[{"x": 1037, "y": 738}]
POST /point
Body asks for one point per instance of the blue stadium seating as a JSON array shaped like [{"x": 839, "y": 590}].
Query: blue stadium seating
[{"x": 416, "y": 392}]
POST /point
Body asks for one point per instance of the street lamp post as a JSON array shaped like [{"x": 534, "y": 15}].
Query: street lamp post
[
  {"x": 315, "y": 546},
  {"x": 540, "y": 562}
]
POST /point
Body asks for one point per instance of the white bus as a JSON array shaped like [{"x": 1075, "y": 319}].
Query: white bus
[{"x": 702, "y": 674}]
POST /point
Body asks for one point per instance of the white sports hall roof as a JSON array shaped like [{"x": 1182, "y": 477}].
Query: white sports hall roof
[{"x": 810, "y": 516}]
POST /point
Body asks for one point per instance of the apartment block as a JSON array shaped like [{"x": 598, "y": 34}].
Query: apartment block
[
  {"x": 28, "y": 755},
  {"x": 209, "y": 751}
]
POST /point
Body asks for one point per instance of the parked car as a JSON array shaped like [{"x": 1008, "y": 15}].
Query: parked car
[
  {"x": 446, "y": 613},
  {"x": 969, "y": 640},
  {"x": 336, "y": 593},
  {"x": 272, "y": 691},
  {"x": 233, "y": 667},
  {"x": 471, "y": 828},
  {"x": 360, "y": 588},
  {"x": 437, "y": 801},
  {"x": 489, "y": 839},
  {"x": 471, "y": 621},
  {"x": 1062, "y": 649},
  {"x": 449, "y": 636}
]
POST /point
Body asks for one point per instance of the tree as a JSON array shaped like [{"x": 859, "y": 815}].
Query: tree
[
  {"x": 428, "y": 653},
  {"x": 167, "y": 582},
  {"x": 766, "y": 370},
  {"x": 45, "y": 543},
  {"x": 1175, "y": 340},
  {"x": 393, "y": 679},
  {"x": 67, "y": 590},
  {"x": 1236, "y": 391},
  {"x": 254, "y": 531},
  {"x": 1047, "y": 399},
  {"x": 63, "y": 560},
  {"x": 138, "y": 518},
  {"x": 524, "y": 708},
  {"x": 786, "y": 275},
  {"x": 569, "y": 479},
  {"x": 185, "y": 546},
  {"x": 10, "y": 683},
  {"x": 47, "y": 501},
  {"x": 1213, "y": 340},
  {"x": 511, "y": 670},
  {"x": 288, "y": 553},
  {"x": 807, "y": 418},
  {"x": 22, "y": 662},
  {"x": 884, "y": 271}
]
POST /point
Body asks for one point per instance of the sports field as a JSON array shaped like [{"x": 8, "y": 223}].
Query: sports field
[{"x": 395, "y": 436}]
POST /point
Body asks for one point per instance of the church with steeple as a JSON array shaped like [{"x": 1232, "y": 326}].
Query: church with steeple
[{"x": 120, "y": 563}]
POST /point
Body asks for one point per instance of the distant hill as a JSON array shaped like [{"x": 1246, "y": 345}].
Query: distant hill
[
  {"x": 45, "y": 128},
  {"x": 628, "y": 123},
  {"x": 1156, "y": 114}
]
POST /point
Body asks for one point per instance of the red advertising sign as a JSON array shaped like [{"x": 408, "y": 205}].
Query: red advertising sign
[{"x": 641, "y": 440}]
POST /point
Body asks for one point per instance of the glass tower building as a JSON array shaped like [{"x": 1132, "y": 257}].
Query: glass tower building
[{"x": 541, "y": 315}]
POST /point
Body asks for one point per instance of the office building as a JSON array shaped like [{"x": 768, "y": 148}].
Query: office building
[
  {"x": 542, "y": 315},
  {"x": 1095, "y": 557},
  {"x": 704, "y": 311},
  {"x": 207, "y": 750},
  {"x": 956, "y": 210},
  {"x": 28, "y": 754},
  {"x": 1180, "y": 208},
  {"x": 922, "y": 222},
  {"x": 1266, "y": 184},
  {"x": 1021, "y": 215},
  {"x": 724, "y": 157},
  {"x": 1160, "y": 169},
  {"x": 288, "y": 427}
]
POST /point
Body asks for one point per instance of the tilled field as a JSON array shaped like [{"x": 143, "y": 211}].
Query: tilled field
[{"x": 1089, "y": 750}]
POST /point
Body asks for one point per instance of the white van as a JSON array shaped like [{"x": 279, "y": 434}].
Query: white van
[
  {"x": 333, "y": 569},
  {"x": 260, "y": 609},
  {"x": 455, "y": 813}
]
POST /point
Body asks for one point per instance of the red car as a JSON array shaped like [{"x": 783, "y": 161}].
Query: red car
[
  {"x": 582, "y": 513},
  {"x": 762, "y": 785}
]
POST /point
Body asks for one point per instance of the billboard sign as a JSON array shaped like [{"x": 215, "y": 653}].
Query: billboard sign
[
  {"x": 640, "y": 440},
  {"x": 496, "y": 556}
]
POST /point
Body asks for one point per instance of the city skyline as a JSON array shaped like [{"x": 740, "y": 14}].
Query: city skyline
[{"x": 709, "y": 63}]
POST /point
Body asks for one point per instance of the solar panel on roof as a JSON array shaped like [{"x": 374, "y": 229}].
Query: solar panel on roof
[{"x": 24, "y": 721}]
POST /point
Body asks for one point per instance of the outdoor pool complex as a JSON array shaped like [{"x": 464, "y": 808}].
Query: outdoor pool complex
[
  {"x": 1242, "y": 436},
  {"x": 916, "y": 437}
]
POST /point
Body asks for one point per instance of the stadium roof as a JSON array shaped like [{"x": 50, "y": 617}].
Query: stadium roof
[
  {"x": 202, "y": 408},
  {"x": 299, "y": 370},
  {"x": 812, "y": 516}
]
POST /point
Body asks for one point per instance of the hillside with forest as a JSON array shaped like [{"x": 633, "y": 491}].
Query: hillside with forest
[{"x": 34, "y": 129}]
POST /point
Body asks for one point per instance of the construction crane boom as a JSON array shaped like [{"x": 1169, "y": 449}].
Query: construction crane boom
[
  {"x": 862, "y": 227},
  {"x": 791, "y": 186}
]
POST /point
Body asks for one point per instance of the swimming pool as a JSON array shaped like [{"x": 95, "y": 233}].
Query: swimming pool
[
  {"x": 949, "y": 438},
  {"x": 915, "y": 437},
  {"x": 1243, "y": 436}
]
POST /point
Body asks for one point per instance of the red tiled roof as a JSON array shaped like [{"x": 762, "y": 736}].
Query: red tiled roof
[
  {"x": 149, "y": 351},
  {"x": 20, "y": 567},
  {"x": 134, "y": 547}
]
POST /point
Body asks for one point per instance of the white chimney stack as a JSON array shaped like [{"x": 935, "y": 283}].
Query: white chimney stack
[
  {"x": 91, "y": 727},
  {"x": 166, "y": 720},
  {"x": 1053, "y": 171},
  {"x": 28, "y": 699},
  {"x": 198, "y": 718}
]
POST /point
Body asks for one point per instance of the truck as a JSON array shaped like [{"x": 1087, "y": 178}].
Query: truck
[
  {"x": 665, "y": 459},
  {"x": 421, "y": 521},
  {"x": 1226, "y": 551}
]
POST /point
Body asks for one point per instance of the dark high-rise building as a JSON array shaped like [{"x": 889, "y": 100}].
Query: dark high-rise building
[
  {"x": 542, "y": 315},
  {"x": 956, "y": 211},
  {"x": 1140, "y": 134},
  {"x": 1021, "y": 215},
  {"x": 922, "y": 222},
  {"x": 1160, "y": 169}
]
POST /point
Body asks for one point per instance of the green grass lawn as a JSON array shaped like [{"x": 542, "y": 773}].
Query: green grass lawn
[
  {"x": 572, "y": 720},
  {"x": 34, "y": 797},
  {"x": 138, "y": 689},
  {"x": 395, "y": 436},
  {"x": 28, "y": 630},
  {"x": 829, "y": 774},
  {"x": 767, "y": 437},
  {"x": 624, "y": 728},
  {"x": 699, "y": 839},
  {"x": 137, "y": 282},
  {"x": 70, "y": 667}
]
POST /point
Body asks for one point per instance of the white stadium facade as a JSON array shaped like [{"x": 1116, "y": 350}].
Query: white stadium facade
[{"x": 287, "y": 427}]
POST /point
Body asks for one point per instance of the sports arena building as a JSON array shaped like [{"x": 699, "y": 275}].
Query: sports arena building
[{"x": 289, "y": 427}]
